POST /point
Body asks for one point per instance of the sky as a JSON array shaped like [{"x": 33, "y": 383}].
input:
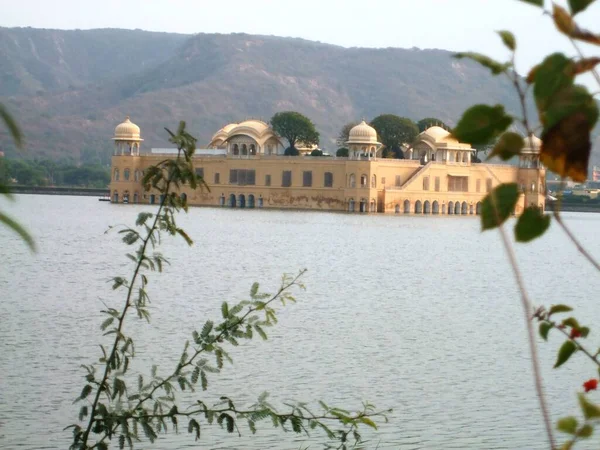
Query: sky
[{"x": 456, "y": 25}]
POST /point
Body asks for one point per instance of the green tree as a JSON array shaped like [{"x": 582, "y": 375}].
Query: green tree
[
  {"x": 342, "y": 152},
  {"x": 427, "y": 122},
  {"x": 344, "y": 135},
  {"x": 295, "y": 127},
  {"x": 393, "y": 131},
  {"x": 316, "y": 152}
]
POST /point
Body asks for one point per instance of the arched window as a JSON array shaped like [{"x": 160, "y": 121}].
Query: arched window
[
  {"x": 136, "y": 197},
  {"x": 352, "y": 180},
  {"x": 427, "y": 207},
  {"x": 137, "y": 175},
  {"x": 244, "y": 149},
  {"x": 126, "y": 174},
  {"x": 351, "y": 205},
  {"x": 116, "y": 197},
  {"x": 269, "y": 149},
  {"x": 450, "y": 207},
  {"x": 363, "y": 181},
  {"x": 116, "y": 176},
  {"x": 406, "y": 207},
  {"x": 183, "y": 197},
  {"x": 464, "y": 208},
  {"x": 397, "y": 209},
  {"x": 418, "y": 207},
  {"x": 478, "y": 208},
  {"x": 374, "y": 181},
  {"x": 435, "y": 207},
  {"x": 253, "y": 149},
  {"x": 236, "y": 149}
]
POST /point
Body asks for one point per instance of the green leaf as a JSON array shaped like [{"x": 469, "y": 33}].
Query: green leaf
[
  {"x": 12, "y": 126},
  {"x": 481, "y": 123},
  {"x": 254, "y": 290},
  {"x": 577, "y": 6},
  {"x": 17, "y": 228},
  {"x": 485, "y": 61},
  {"x": 203, "y": 380},
  {"x": 539, "y": 3},
  {"x": 106, "y": 323},
  {"x": 545, "y": 327},
  {"x": 553, "y": 74},
  {"x": 498, "y": 205},
  {"x": 508, "y": 39},
  {"x": 585, "y": 431},
  {"x": 369, "y": 422},
  {"x": 224, "y": 310},
  {"x": 531, "y": 224},
  {"x": 510, "y": 144},
  {"x": 571, "y": 322},
  {"x": 565, "y": 352},
  {"x": 555, "y": 309},
  {"x": 589, "y": 410},
  {"x": 585, "y": 331},
  {"x": 567, "y": 425}
]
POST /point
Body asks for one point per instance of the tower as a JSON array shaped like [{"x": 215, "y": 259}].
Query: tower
[
  {"x": 531, "y": 173},
  {"x": 127, "y": 138},
  {"x": 362, "y": 142}
]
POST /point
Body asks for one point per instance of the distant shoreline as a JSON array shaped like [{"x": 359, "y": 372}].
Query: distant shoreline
[{"x": 61, "y": 190}]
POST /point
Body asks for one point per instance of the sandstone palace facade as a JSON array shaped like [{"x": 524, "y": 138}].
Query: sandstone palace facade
[{"x": 244, "y": 167}]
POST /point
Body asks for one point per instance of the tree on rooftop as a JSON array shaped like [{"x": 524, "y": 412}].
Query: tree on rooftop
[
  {"x": 295, "y": 127},
  {"x": 345, "y": 134},
  {"x": 427, "y": 122},
  {"x": 393, "y": 131}
]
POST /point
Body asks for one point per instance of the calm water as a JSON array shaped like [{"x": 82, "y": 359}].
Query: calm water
[{"x": 417, "y": 314}]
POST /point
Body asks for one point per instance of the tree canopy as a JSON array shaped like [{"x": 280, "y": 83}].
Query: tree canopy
[
  {"x": 393, "y": 131},
  {"x": 342, "y": 152},
  {"x": 345, "y": 134},
  {"x": 295, "y": 127},
  {"x": 427, "y": 122}
]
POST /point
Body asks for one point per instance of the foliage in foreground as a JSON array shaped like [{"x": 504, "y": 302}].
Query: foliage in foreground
[{"x": 115, "y": 409}]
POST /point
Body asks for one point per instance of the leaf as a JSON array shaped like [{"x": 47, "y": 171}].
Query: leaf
[
  {"x": 585, "y": 431},
  {"x": 590, "y": 411},
  {"x": 224, "y": 310},
  {"x": 563, "y": 20},
  {"x": 510, "y": 144},
  {"x": 485, "y": 61},
  {"x": 577, "y": 6},
  {"x": 585, "y": 65},
  {"x": 545, "y": 327},
  {"x": 567, "y": 425},
  {"x": 12, "y": 126},
  {"x": 553, "y": 74},
  {"x": 106, "y": 323},
  {"x": 532, "y": 224},
  {"x": 566, "y": 147},
  {"x": 203, "y": 380},
  {"x": 571, "y": 322},
  {"x": 369, "y": 422},
  {"x": 481, "y": 123},
  {"x": 565, "y": 352},
  {"x": 508, "y": 39},
  {"x": 539, "y": 3},
  {"x": 254, "y": 289},
  {"x": 498, "y": 205},
  {"x": 17, "y": 228},
  {"x": 556, "y": 309}
]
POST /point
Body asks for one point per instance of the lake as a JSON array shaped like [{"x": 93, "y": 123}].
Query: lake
[{"x": 418, "y": 314}]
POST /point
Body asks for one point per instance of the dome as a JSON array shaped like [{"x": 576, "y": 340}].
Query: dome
[
  {"x": 437, "y": 133},
  {"x": 127, "y": 131},
  {"x": 362, "y": 133},
  {"x": 532, "y": 139}
]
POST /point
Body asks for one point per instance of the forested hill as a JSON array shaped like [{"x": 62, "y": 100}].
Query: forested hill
[{"x": 69, "y": 89}]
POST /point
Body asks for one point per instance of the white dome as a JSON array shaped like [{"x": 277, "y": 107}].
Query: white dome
[
  {"x": 362, "y": 133},
  {"x": 527, "y": 144},
  {"x": 127, "y": 131}
]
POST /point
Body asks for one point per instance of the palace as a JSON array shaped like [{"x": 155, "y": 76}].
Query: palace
[{"x": 244, "y": 167}]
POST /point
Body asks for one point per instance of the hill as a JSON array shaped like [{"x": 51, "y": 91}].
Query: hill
[{"x": 69, "y": 101}]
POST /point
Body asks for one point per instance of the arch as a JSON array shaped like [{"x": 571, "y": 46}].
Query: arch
[
  {"x": 364, "y": 180},
  {"x": 456, "y": 208},
  {"x": 464, "y": 208},
  {"x": 374, "y": 181},
  {"x": 232, "y": 202},
  {"x": 236, "y": 149},
  {"x": 435, "y": 207},
  {"x": 443, "y": 208},
  {"x": 364, "y": 205},
  {"x": 471, "y": 209},
  {"x": 478, "y": 208},
  {"x": 116, "y": 197},
  {"x": 260, "y": 202},
  {"x": 183, "y": 197},
  {"x": 418, "y": 207},
  {"x": 251, "y": 201},
  {"x": 450, "y": 207},
  {"x": 427, "y": 207},
  {"x": 397, "y": 208},
  {"x": 152, "y": 199},
  {"x": 373, "y": 205},
  {"x": 252, "y": 149},
  {"x": 352, "y": 180},
  {"x": 244, "y": 149},
  {"x": 138, "y": 175},
  {"x": 222, "y": 200},
  {"x": 242, "y": 201},
  {"x": 351, "y": 205},
  {"x": 116, "y": 175},
  {"x": 126, "y": 174},
  {"x": 136, "y": 197},
  {"x": 406, "y": 207}
]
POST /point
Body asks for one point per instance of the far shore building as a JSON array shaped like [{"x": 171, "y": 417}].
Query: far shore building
[{"x": 244, "y": 167}]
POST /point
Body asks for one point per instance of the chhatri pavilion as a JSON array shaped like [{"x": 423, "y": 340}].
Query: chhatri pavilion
[{"x": 244, "y": 167}]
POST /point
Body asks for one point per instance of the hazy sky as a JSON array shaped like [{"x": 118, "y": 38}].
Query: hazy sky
[{"x": 447, "y": 24}]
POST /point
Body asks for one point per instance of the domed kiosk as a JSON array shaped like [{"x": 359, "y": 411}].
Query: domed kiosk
[
  {"x": 362, "y": 142},
  {"x": 127, "y": 138}
]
